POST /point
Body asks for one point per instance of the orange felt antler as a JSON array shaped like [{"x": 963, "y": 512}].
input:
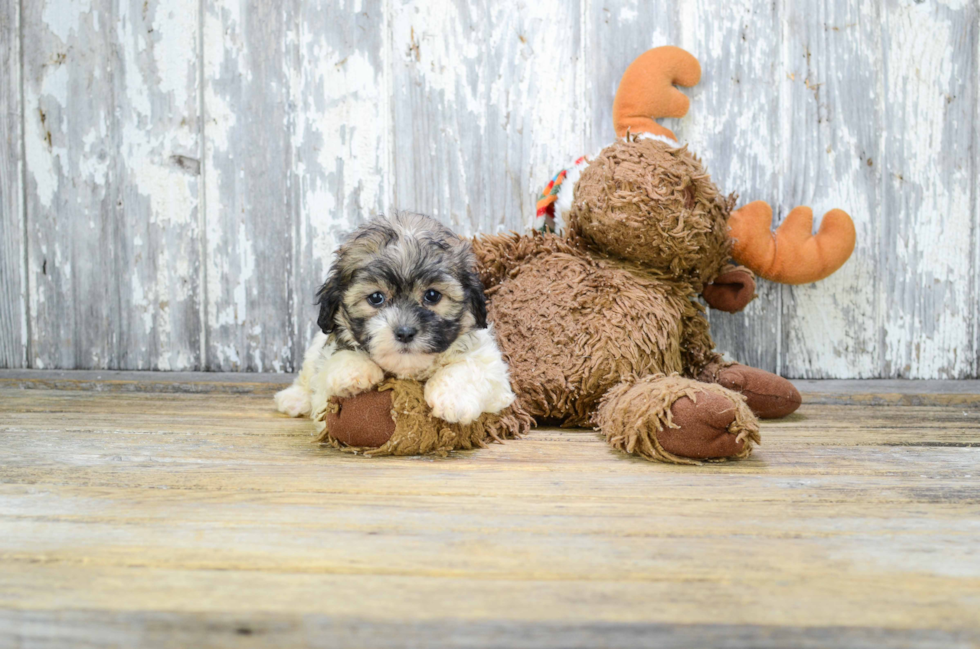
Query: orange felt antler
[
  {"x": 792, "y": 254},
  {"x": 647, "y": 90}
]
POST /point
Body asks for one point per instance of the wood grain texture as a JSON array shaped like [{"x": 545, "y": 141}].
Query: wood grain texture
[
  {"x": 739, "y": 90},
  {"x": 615, "y": 34},
  {"x": 13, "y": 283},
  {"x": 477, "y": 80},
  {"x": 535, "y": 116},
  {"x": 249, "y": 226},
  {"x": 194, "y": 516},
  {"x": 823, "y": 391},
  {"x": 438, "y": 103},
  {"x": 86, "y": 629},
  {"x": 112, "y": 158},
  {"x": 337, "y": 130},
  {"x": 165, "y": 382},
  {"x": 931, "y": 85},
  {"x": 831, "y": 157},
  {"x": 281, "y": 197}
]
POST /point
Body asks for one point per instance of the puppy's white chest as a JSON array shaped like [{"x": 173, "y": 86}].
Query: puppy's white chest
[{"x": 410, "y": 366}]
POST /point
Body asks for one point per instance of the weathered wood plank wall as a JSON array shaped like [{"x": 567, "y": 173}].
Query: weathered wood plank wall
[
  {"x": 112, "y": 144},
  {"x": 174, "y": 175},
  {"x": 13, "y": 320}
]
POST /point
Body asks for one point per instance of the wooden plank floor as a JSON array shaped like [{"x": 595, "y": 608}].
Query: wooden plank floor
[{"x": 195, "y": 516}]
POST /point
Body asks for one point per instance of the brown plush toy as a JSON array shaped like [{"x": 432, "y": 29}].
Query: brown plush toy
[{"x": 601, "y": 323}]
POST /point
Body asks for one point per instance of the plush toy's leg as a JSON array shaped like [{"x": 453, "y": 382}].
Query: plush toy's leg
[
  {"x": 768, "y": 395},
  {"x": 676, "y": 419},
  {"x": 395, "y": 420}
]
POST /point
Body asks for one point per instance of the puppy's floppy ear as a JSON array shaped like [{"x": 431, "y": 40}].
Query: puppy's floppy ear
[
  {"x": 329, "y": 297},
  {"x": 476, "y": 300}
]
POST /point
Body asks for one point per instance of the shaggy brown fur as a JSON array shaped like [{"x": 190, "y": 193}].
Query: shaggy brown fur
[{"x": 571, "y": 326}]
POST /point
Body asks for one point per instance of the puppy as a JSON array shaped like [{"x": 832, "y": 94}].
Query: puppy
[{"x": 403, "y": 298}]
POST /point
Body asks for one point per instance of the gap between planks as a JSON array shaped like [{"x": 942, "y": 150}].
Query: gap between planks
[{"x": 829, "y": 391}]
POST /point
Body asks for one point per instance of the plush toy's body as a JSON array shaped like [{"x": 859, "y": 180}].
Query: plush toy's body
[
  {"x": 601, "y": 324},
  {"x": 576, "y": 329},
  {"x": 572, "y": 326}
]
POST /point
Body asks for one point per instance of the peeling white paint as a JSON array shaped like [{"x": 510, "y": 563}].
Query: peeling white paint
[
  {"x": 465, "y": 110},
  {"x": 45, "y": 155},
  {"x": 930, "y": 104},
  {"x": 61, "y": 20},
  {"x": 102, "y": 195},
  {"x": 833, "y": 158}
]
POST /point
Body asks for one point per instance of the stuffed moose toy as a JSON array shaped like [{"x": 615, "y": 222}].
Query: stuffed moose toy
[{"x": 597, "y": 311}]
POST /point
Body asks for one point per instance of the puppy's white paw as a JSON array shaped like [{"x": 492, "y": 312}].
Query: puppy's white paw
[
  {"x": 451, "y": 404},
  {"x": 500, "y": 399},
  {"x": 348, "y": 379},
  {"x": 293, "y": 401}
]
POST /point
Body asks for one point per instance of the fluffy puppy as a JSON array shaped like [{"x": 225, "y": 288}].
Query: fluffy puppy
[{"x": 403, "y": 298}]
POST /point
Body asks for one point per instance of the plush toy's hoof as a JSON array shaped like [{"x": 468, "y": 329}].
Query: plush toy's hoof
[
  {"x": 702, "y": 429},
  {"x": 768, "y": 395},
  {"x": 395, "y": 420},
  {"x": 364, "y": 420},
  {"x": 676, "y": 419}
]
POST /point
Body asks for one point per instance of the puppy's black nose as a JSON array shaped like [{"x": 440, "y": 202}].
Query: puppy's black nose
[{"x": 405, "y": 334}]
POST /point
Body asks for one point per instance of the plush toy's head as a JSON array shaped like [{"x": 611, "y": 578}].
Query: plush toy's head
[
  {"x": 647, "y": 200},
  {"x": 651, "y": 202}
]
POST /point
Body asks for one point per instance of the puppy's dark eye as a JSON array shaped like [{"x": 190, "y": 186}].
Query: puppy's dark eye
[
  {"x": 376, "y": 299},
  {"x": 432, "y": 296}
]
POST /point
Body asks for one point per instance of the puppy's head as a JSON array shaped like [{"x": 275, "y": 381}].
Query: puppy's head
[{"x": 403, "y": 289}]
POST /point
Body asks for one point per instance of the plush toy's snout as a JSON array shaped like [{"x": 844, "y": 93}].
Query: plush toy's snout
[{"x": 731, "y": 291}]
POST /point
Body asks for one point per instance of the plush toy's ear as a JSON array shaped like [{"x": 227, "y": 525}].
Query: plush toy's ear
[
  {"x": 475, "y": 298},
  {"x": 647, "y": 91},
  {"x": 329, "y": 297}
]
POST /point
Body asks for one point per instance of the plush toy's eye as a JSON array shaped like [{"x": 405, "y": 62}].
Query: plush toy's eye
[
  {"x": 376, "y": 299},
  {"x": 432, "y": 296}
]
